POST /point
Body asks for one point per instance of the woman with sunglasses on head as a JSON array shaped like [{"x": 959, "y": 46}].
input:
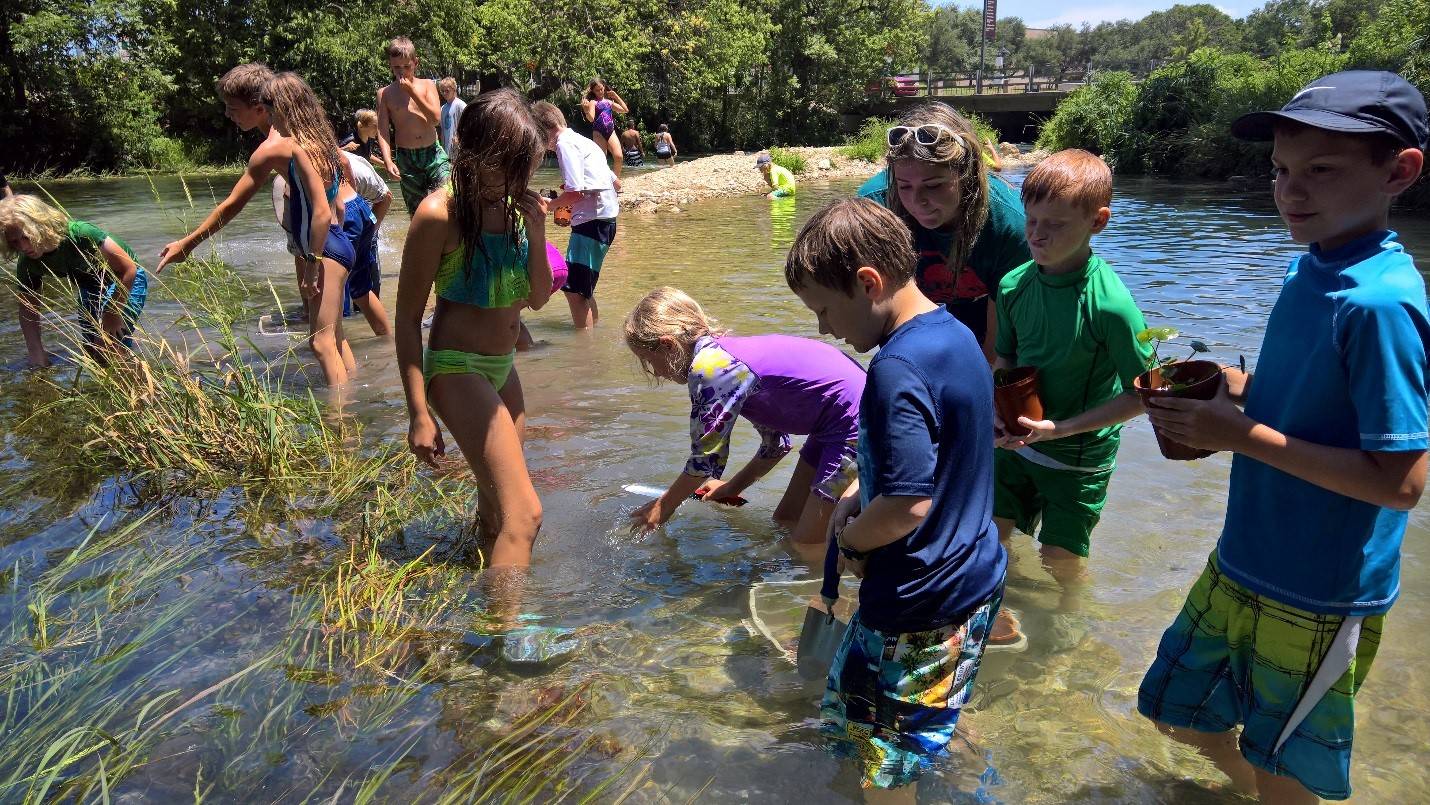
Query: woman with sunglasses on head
[{"x": 968, "y": 228}]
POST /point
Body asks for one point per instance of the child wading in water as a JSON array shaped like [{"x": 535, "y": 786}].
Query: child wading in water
[
  {"x": 1279, "y": 632},
  {"x": 482, "y": 246},
  {"x": 922, "y": 536},
  {"x": 665, "y": 146},
  {"x": 1068, "y": 314},
  {"x": 305, "y": 151},
  {"x": 111, "y": 285},
  {"x": 782, "y": 384},
  {"x": 411, "y": 109},
  {"x": 590, "y": 194}
]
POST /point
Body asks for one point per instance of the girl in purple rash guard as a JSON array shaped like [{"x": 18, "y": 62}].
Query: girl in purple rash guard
[{"x": 783, "y": 385}]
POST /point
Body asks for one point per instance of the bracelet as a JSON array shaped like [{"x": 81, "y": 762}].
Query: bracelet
[{"x": 850, "y": 553}]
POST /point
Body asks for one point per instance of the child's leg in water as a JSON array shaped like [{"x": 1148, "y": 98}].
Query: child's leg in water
[
  {"x": 489, "y": 436},
  {"x": 346, "y": 349},
  {"x": 325, "y": 312},
  {"x": 374, "y": 312}
]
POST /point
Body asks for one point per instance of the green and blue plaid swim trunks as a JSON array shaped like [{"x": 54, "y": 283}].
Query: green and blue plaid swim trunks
[{"x": 1288, "y": 676}]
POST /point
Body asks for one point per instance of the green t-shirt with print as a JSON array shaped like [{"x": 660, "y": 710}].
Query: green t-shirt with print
[
  {"x": 1080, "y": 330},
  {"x": 76, "y": 258}
]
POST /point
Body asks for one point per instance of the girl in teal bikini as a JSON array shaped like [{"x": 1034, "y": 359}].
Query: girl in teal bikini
[{"x": 481, "y": 244}]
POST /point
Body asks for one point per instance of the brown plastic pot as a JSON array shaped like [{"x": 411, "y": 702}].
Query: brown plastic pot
[
  {"x": 1193, "y": 380},
  {"x": 1017, "y": 396}
]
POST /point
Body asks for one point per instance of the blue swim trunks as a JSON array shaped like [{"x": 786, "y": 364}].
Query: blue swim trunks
[
  {"x": 360, "y": 227},
  {"x": 585, "y": 253},
  {"x": 92, "y": 306},
  {"x": 1287, "y": 676},
  {"x": 893, "y": 700}
]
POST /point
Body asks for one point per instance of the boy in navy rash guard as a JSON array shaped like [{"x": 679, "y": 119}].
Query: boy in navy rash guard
[
  {"x": 1279, "y": 632},
  {"x": 923, "y": 539}
]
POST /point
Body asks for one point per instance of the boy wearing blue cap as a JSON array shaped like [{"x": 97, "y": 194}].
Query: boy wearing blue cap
[{"x": 1279, "y": 632}]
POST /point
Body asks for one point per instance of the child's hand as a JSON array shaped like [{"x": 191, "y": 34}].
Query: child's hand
[
  {"x": 855, "y": 566},
  {"x": 424, "y": 439},
  {"x": 533, "y": 209},
  {"x": 394, "y": 172},
  {"x": 648, "y": 518},
  {"x": 175, "y": 252},
  {"x": 845, "y": 509},
  {"x": 310, "y": 285},
  {"x": 1215, "y": 424},
  {"x": 1040, "y": 430},
  {"x": 112, "y": 323},
  {"x": 717, "y": 491}
]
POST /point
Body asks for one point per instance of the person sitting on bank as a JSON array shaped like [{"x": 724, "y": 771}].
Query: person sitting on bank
[{"x": 780, "y": 180}]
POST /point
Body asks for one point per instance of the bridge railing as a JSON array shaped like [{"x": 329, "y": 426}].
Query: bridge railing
[{"x": 966, "y": 83}]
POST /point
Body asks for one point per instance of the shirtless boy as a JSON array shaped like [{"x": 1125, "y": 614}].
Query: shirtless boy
[{"x": 408, "y": 111}]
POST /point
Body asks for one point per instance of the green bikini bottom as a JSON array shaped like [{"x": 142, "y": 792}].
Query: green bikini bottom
[{"x": 495, "y": 368}]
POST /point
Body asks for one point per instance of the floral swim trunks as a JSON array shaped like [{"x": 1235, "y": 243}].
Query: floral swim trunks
[{"x": 893, "y": 700}]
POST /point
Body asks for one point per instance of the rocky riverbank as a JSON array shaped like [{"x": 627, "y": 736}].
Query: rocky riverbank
[{"x": 725, "y": 175}]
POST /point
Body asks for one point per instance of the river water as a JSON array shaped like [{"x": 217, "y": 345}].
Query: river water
[{"x": 676, "y": 664}]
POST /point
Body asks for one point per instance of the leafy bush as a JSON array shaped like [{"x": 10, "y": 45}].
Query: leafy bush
[
  {"x": 787, "y": 159},
  {"x": 871, "y": 141},
  {"x": 1094, "y": 117}
]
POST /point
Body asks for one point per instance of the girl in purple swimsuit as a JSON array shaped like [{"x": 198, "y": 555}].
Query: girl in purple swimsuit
[
  {"x": 600, "y": 107},
  {"x": 783, "y": 385}
]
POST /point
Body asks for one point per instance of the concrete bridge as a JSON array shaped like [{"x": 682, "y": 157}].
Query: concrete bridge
[{"x": 1016, "y": 104}]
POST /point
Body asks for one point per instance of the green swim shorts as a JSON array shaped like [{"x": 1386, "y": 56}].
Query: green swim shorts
[
  {"x": 1068, "y": 501},
  {"x": 1287, "y": 676},
  {"x": 495, "y": 368},
  {"x": 423, "y": 170}
]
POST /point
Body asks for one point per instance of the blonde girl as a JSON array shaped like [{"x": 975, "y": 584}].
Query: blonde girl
[
  {"x": 968, "y": 228},
  {"x": 480, "y": 244},
  {"x": 782, "y": 384},
  {"x": 111, "y": 286},
  {"x": 306, "y": 153}
]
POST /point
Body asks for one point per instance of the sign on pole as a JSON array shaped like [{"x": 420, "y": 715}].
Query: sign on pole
[{"x": 990, "y": 19}]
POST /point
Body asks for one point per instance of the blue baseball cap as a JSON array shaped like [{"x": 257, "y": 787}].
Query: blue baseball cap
[{"x": 1350, "y": 102}]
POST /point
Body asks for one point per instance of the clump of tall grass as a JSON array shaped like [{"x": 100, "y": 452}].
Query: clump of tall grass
[
  {"x": 790, "y": 160},
  {"x": 872, "y": 141}
]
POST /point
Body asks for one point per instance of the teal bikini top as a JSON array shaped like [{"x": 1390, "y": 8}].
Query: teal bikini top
[{"x": 497, "y": 279}]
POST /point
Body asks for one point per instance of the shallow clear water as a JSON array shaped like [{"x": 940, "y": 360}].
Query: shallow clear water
[{"x": 676, "y": 664}]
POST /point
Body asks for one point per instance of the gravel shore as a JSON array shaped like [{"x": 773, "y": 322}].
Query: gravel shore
[{"x": 725, "y": 175}]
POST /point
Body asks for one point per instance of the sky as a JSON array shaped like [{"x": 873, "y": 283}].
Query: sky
[{"x": 1042, "y": 13}]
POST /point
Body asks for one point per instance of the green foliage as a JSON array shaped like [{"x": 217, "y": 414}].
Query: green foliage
[
  {"x": 792, "y": 161},
  {"x": 1094, "y": 117},
  {"x": 871, "y": 142},
  {"x": 1178, "y": 121}
]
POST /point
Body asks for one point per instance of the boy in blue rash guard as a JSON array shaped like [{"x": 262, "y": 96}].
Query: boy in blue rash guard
[
  {"x": 923, "y": 539},
  {"x": 1279, "y": 632}
]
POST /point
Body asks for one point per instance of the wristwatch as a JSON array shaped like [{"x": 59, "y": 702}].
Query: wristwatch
[
  {"x": 851, "y": 554},
  {"x": 309, "y": 257}
]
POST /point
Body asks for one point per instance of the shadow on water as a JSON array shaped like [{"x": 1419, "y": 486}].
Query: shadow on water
[{"x": 300, "y": 649}]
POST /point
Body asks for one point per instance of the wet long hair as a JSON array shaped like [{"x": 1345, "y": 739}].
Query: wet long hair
[
  {"x": 671, "y": 313},
  {"x": 293, "y": 100},
  {"x": 498, "y": 135},
  {"x": 970, "y": 174}
]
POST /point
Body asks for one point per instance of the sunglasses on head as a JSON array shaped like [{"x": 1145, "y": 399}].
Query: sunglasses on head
[{"x": 927, "y": 134}]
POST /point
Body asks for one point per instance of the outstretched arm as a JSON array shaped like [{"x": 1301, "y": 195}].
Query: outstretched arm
[{"x": 260, "y": 166}]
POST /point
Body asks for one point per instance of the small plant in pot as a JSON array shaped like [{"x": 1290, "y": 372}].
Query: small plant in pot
[
  {"x": 1187, "y": 379},
  {"x": 1015, "y": 394}
]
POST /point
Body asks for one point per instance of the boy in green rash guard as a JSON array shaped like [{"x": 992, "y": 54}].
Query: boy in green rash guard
[
  {"x": 968, "y": 226},
  {"x": 1067, "y": 313},
  {"x": 112, "y": 286},
  {"x": 780, "y": 180}
]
